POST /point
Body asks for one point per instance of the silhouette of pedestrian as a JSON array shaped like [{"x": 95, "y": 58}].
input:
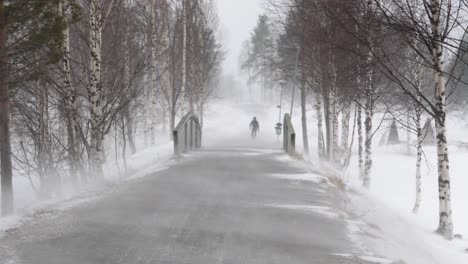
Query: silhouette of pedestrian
[{"x": 254, "y": 127}]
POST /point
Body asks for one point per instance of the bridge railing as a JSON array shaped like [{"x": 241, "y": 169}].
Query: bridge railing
[
  {"x": 289, "y": 136},
  {"x": 187, "y": 134}
]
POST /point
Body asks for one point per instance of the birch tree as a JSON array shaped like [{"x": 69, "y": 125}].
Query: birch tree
[
  {"x": 369, "y": 97},
  {"x": 95, "y": 86},
  {"x": 185, "y": 6},
  {"x": 69, "y": 93},
  {"x": 5, "y": 145},
  {"x": 445, "y": 208},
  {"x": 432, "y": 22}
]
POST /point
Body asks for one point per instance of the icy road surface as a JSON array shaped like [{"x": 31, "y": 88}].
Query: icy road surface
[{"x": 214, "y": 206}]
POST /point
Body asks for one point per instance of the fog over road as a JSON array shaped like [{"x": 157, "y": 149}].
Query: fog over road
[{"x": 214, "y": 206}]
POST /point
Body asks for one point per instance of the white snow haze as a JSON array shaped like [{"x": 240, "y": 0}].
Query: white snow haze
[
  {"x": 237, "y": 18},
  {"x": 233, "y": 131}
]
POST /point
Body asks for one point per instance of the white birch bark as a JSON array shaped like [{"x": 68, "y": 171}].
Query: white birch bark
[
  {"x": 420, "y": 138},
  {"x": 360, "y": 143},
  {"x": 445, "y": 209},
  {"x": 305, "y": 137},
  {"x": 69, "y": 100},
  {"x": 95, "y": 87},
  {"x": 408, "y": 131},
  {"x": 318, "y": 112},
  {"x": 369, "y": 93},
  {"x": 417, "y": 77},
  {"x": 43, "y": 136},
  {"x": 359, "y": 116},
  {"x": 166, "y": 78},
  {"x": 346, "y": 116},
  {"x": 146, "y": 109},
  {"x": 146, "y": 88},
  {"x": 333, "y": 113},
  {"x": 154, "y": 69},
  {"x": 193, "y": 51},
  {"x": 126, "y": 111},
  {"x": 184, "y": 56}
]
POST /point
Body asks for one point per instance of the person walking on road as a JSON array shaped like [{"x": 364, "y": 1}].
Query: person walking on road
[{"x": 254, "y": 127}]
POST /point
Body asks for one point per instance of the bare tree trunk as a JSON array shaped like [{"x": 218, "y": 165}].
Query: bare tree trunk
[
  {"x": 327, "y": 116},
  {"x": 417, "y": 76},
  {"x": 95, "y": 88},
  {"x": 154, "y": 74},
  {"x": 368, "y": 134},
  {"x": 418, "y": 111},
  {"x": 408, "y": 131},
  {"x": 116, "y": 147},
  {"x": 129, "y": 127},
  {"x": 334, "y": 111},
  {"x": 5, "y": 146},
  {"x": 318, "y": 111},
  {"x": 202, "y": 113},
  {"x": 44, "y": 146},
  {"x": 126, "y": 111},
  {"x": 360, "y": 143},
  {"x": 69, "y": 98},
  {"x": 305, "y": 137},
  {"x": 164, "y": 119},
  {"x": 184, "y": 56},
  {"x": 166, "y": 77},
  {"x": 369, "y": 93},
  {"x": 146, "y": 90},
  {"x": 146, "y": 110},
  {"x": 445, "y": 208},
  {"x": 124, "y": 147},
  {"x": 346, "y": 116}
]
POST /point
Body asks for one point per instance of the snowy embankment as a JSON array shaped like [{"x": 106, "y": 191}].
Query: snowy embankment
[
  {"x": 389, "y": 226},
  {"x": 139, "y": 165},
  {"x": 385, "y": 223},
  {"x": 386, "y": 208}
]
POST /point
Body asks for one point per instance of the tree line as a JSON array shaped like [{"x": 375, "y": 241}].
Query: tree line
[
  {"x": 356, "y": 58},
  {"x": 80, "y": 78}
]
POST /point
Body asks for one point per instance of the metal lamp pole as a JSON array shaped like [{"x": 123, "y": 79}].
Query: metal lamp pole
[
  {"x": 294, "y": 82},
  {"x": 280, "y": 106}
]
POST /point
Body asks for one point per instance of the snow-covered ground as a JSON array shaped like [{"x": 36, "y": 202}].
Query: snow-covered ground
[
  {"x": 27, "y": 203},
  {"x": 388, "y": 226},
  {"x": 387, "y": 206},
  {"x": 384, "y": 222}
]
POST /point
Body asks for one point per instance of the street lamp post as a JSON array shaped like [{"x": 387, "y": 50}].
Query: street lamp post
[
  {"x": 279, "y": 125},
  {"x": 294, "y": 81}
]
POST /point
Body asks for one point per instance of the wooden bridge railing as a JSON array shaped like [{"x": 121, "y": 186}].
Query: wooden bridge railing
[
  {"x": 187, "y": 134},
  {"x": 289, "y": 136}
]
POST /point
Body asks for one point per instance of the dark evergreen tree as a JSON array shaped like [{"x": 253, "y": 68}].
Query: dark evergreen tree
[
  {"x": 261, "y": 55},
  {"x": 31, "y": 37}
]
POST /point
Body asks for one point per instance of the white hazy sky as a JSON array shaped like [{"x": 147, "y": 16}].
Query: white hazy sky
[{"x": 237, "y": 19}]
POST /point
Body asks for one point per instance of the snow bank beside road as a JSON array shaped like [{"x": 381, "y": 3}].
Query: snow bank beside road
[
  {"x": 388, "y": 225},
  {"x": 139, "y": 165},
  {"x": 397, "y": 236}
]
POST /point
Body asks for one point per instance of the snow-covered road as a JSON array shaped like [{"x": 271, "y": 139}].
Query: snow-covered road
[{"x": 214, "y": 206}]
